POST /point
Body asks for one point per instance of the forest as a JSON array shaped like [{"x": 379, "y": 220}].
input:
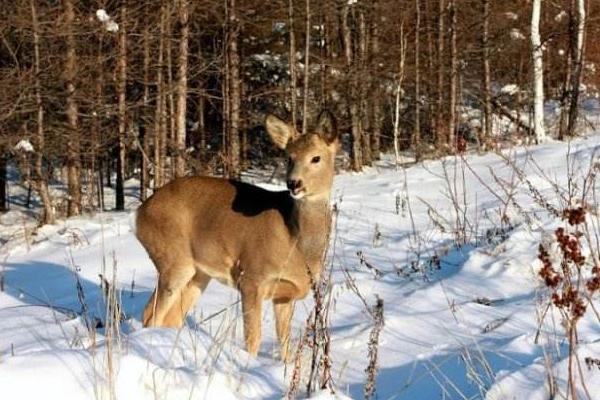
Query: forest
[
  {"x": 447, "y": 246},
  {"x": 98, "y": 92}
]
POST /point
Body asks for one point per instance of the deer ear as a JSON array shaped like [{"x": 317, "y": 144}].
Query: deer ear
[
  {"x": 279, "y": 132},
  {"x": 327, "y": 127}
]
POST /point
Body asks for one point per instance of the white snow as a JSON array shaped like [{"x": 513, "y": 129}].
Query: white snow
[
  {"x": 112, "y": 26},
  {"x": 102, "y": 15},
  {"x": 463, "y": 326},
  {"x": 510, "y": 89},
  {"x": 516, "y": 34},
  {"x": 25, "y": 146},
  {"x": 560, "y": 16},
  {"x": 109, "y": 24}
]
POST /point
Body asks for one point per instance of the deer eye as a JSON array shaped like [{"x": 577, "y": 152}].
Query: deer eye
[{"x": 315, "y": 159}]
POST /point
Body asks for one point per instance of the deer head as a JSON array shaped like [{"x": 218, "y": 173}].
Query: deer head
[{"x": 311, "y": 157}]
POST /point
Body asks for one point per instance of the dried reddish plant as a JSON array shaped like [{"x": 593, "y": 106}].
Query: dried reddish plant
[{"x": 568, "y": 280}]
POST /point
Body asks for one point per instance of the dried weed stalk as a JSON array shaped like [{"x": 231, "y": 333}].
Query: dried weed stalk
[{"x": 373, "y": 345}]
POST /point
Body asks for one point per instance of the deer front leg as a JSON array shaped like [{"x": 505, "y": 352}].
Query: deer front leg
[
  {"x": 283, "y": 317},
  {"x": 252, "y": 312}
]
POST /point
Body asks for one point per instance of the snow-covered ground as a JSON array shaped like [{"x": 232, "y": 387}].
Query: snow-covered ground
[{"x": 460, "y": 321}]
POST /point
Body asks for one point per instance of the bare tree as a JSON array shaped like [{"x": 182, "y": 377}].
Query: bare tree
[
  {"x": 306, "y": 69},
  {"x": 160, "y": 136},
  {"x": 180, "y": 137},
  {"x": 233, "y": 89},
  {"x": 399, "y": 79},
  {"x": 376, "y": 95},
  {"x": 578, "y": 56},
  {"x": 169, "y": 93},
  {"x": 352, "y": 92},
  {"x": 73, "y": 141},
  {"x": 3, "y": 182},
  {"x": 453, "y": 77},
  {"x": 122, "y": 106},
  {"x": 292, "y": 61},
  {"x": 96, "y": 184},
  {"x": 39, "y": 179},
  {"x": 416, "y": 139},
  {"x": 144, "y": 140},
  {"x": 486, "y": 79},
  {"x": 363, "y": 82},
  {"x": 441, "y": 137}
]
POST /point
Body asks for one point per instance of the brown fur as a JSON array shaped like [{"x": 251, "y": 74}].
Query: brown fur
[{"x": 266, "y": 244}]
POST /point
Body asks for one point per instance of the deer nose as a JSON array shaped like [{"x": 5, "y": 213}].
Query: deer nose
[{"x": 294, "y": 184}]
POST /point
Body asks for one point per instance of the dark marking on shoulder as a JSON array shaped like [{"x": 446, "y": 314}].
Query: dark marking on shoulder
[{"x": 252, "y": 200}]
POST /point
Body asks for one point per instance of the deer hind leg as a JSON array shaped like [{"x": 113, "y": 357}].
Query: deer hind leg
[
  {"x": 187, "y": 298},
  {"x": 170, "y": 284},
  {"x": 283, "y": 308},
  {"x": 252, "y": 299}
]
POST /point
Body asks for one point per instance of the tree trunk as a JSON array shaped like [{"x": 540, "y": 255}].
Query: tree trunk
[
  {"x": 160, "y": 136},
  {"x": 352, "y": 100},
  {"x": 430, "y": 75},
  {"x": 3, "y": 182},
  {"x": 234, "y": 86},
  {"x": 180, "y": 138},
  {"x": 201, "y": 120},
  {"x": 578, "y": 55},
  {"x": 441, "y": 135},
  {"x": 416, "y": 140},
  {"x": 292, "y": 61},
  {"x": 399, "y": 93},
  {"x": 538, "y": 73},
  {"x": 376, "y": 112},
  {"x": 565, "y": 90},
  {"x": 73, "y": 142},
  {"x": 39, "y": 179},
  {"x": 363, "y": 82},
  {"x": 453, "y": 77},
  {"x": 487, "y": 103},
  {"x": 97, "y": 190},
  {"x": 121, "y": 93},
  {"x": 169, "y": 98},
  {"x": 306, "y": 70},
  {"x": 144, "y": 133}
]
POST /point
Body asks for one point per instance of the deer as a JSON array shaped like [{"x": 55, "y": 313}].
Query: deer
[{"x": 269, "y": 245}]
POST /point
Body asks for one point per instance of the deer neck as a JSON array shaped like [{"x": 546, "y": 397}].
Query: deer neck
[{"x": 312, "y": 220}]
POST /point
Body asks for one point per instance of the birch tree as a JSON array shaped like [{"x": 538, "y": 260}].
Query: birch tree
[{"x": 538, "y": 73}]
